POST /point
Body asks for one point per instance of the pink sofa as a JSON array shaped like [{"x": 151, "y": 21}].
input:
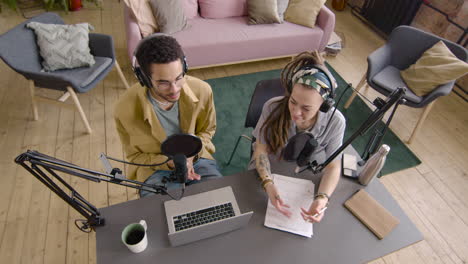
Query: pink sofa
[{"x": 209, "y": 42}]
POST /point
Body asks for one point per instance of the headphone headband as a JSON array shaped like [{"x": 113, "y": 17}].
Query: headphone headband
[{"x": 142, "y": 77}]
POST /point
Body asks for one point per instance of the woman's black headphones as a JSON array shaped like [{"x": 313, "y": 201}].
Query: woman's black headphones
[
  {"x": 144, "y": 79},
  {"x": 325, "y": 76}
]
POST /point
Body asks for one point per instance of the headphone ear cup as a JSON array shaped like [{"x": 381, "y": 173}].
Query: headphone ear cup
[
  {"x": 137, "y": 72},
  {"x": 185, "y": 65},
  {"x": 326, "y": 105},
  {"x": 142, "y": 78}
]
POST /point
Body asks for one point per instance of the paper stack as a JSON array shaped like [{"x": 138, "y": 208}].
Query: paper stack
[{"x": 334, "y": 45}]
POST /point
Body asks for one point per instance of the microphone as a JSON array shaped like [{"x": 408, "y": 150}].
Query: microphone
[
  {"x": 304, "y": 156},
  {"x": 181, "y": 171},
  {"x": 300, "y": 148}
]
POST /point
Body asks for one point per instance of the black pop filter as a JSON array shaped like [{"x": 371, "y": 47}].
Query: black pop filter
[{"x": 186, "y": 144}]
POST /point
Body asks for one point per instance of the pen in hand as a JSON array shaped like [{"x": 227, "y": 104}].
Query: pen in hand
[{"x": 320, "y": 212}]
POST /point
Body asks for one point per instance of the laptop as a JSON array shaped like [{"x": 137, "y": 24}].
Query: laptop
[{"x": 203, "y": 215}]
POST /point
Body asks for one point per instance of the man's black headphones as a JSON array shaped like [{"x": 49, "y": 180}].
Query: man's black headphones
[
  {"x": 144, "y": 79},
  {"x": 326, "y": 77}
]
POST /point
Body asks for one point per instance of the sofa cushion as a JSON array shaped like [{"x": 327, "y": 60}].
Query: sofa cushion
[
  {"x": 263, "y": 12},
  {"x": 208, "y": 42},
  {"x": 169, "y": 15},
  {"x": 303, "y": 12},
  {"x": 190, "y": 8},
  {"x": 222, "y": 8},
  {"x": 141, "y": 11}
]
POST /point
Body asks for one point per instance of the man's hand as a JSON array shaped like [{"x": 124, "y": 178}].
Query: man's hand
[
  {"x": 191, "y": 175},
  {"x": 276, "y": 200},
  {"x": 170, "y": 164}
]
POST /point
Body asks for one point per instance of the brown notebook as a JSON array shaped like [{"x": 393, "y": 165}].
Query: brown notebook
[{"x": 371, "y": 213}]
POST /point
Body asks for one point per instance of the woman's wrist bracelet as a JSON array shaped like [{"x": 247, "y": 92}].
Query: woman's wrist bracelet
[
  {"x": 266, "y": 182},
  {"x": 322, "y": 195}
]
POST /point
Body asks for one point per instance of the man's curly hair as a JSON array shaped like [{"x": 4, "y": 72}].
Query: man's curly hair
[{"x": 161, "y": 49}]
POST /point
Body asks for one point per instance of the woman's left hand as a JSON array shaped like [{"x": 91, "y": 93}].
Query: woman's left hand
[{"x": 315, "y": 207}]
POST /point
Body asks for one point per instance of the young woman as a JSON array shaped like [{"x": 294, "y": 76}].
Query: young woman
[{"x": 300, "y": 110}]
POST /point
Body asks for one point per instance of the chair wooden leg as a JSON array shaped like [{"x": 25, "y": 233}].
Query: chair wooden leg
[
  {"x": 79, "y": 108},
  {"x": 421, "y": 121},
  {"x": 33, "y": 100},
  {"x": 119, "y": 70},
  {"x": 358, "y": 87},
  {"x": 64, "y": 97}
]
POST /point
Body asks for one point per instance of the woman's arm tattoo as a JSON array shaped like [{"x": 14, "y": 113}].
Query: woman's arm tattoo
[{"x": 263, "y": 167}]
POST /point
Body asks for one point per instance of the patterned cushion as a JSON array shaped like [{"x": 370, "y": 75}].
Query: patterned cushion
[{"x": 63, "y": 46}]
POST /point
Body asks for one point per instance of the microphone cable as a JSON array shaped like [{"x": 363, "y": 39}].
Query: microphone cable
[
  {"x": 174, "y": 198},
  {"x": 150, "y": 165},
  {"x": 137, "y": 164},
  {"x": 362, "y": 95},
  {"x": 334, "y": 110}
]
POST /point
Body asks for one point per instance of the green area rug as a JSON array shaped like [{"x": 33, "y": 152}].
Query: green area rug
[{"x": 232, "y": 97}]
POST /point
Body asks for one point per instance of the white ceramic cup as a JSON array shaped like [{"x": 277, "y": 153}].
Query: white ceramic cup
[{"x": 134, "y": 236}]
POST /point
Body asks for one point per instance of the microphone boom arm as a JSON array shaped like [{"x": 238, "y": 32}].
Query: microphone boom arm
[
  {"x": 394, "y": 99},
  {"x": 44, "y": 168}
]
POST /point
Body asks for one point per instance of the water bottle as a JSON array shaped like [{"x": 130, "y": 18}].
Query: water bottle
[{"x": 373, "y": 165}]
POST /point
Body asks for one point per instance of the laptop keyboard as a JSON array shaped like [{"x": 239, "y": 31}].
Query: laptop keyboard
[{"x": 203, "y": 216}]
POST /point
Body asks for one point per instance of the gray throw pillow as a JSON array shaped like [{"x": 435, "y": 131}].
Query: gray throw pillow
[
  {"x": 262, "y": 12},
  {"x": 282, "y": 6},
  {"x": 63, "y": 46},
  {"x": 169, "y": 15}
]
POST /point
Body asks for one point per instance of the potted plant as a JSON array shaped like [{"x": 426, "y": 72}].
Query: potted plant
[
  {"x": 66, "y": 5},
  {"x": 10, "y": 3}
]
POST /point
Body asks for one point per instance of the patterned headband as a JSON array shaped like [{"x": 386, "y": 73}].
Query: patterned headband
[{"x": 314, "y": 78}]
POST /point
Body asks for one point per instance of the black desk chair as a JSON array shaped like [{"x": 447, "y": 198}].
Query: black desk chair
[
  {"x": 404, "y": 47},
  {"x": 264, "y": 90},
  {"x": 18, "y": 49}
]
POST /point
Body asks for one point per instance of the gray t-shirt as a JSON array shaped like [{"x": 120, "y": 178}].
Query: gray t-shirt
[
  {"x": 329, "y": 141},
  {"x": 169, "y": 119}
]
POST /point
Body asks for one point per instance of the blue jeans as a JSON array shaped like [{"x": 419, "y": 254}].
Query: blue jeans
[{"x": 206, "y": 168}]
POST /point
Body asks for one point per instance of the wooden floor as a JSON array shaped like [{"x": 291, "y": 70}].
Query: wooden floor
[{"x": 37, "y": 227}]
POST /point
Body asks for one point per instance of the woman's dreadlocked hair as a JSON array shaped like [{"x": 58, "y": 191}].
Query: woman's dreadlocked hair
[{"x": 276, "y": 126}]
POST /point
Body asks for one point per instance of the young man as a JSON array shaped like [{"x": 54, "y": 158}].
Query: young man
[{"x": 167, "y": 103}]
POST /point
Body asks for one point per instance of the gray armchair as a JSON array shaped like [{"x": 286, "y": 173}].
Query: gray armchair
[
  {"x": 404, "y": 47},
  {"x": 18, "y": 49}
]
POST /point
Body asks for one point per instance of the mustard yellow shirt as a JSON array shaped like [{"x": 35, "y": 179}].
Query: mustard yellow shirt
[{"x": 141, "y": 132}]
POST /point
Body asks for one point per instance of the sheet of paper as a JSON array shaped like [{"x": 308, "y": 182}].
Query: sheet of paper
[{"x": 296, "y": 193}]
